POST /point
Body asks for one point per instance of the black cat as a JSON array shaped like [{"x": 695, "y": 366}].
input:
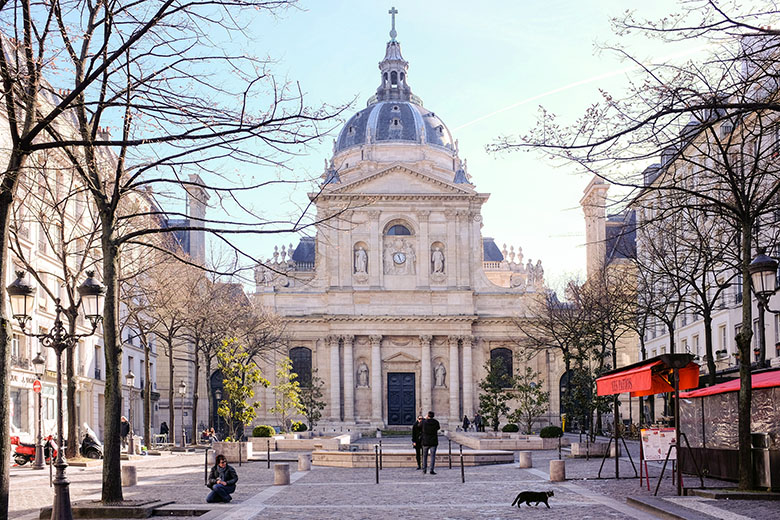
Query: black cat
[{"x": 533, "y": 496}]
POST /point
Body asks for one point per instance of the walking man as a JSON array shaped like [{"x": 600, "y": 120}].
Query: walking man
[
  {"x": 417, "y": 440},
  {"x": 430, "y": 441}
]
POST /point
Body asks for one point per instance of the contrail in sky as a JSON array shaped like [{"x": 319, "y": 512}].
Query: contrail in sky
[{"x": 572, "y": 85}]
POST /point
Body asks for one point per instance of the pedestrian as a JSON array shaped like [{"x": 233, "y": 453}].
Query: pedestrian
[
  {"x": 124, "y": 430},
  {"x": 466, "y": 423},
  {"x": 430, "y": 440},
  {"x": 164, "y": 430},
  {"x": 417, "y": 440},
  {"x": 222, "y": 481},
  {"x": 478, "y": 422}
]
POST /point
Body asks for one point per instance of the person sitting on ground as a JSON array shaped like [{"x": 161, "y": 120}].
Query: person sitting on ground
[{"x": 222, "y": 481}]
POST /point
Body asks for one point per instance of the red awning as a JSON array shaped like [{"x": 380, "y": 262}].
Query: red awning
[
  {"x": 649, "y": 379},
  {"x": 762, "y": 380}
]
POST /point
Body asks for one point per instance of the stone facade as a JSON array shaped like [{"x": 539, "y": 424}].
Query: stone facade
[{"x": 398, "y": 297}]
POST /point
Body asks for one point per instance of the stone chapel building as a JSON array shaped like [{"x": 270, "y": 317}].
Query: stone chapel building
[{"x": 398, "y": 300}]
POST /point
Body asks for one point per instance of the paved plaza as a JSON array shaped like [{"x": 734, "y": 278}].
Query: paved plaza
[{"x": 346, "y": 493}]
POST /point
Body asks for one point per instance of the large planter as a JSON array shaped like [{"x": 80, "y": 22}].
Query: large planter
[{"x": 232, "y": 450}]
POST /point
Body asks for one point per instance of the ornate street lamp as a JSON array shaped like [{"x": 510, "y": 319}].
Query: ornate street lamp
[
  {"x": 130, "y": 380},
  {"x": 21, "y": 294},
  {"x": 182, "y": 393},
  {"x": 218, "y": 397},
  {"x": 763, "y": 276},
  {"x": 38, "y": 366}
]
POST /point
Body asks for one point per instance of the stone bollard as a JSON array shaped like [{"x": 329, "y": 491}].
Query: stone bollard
[
  {"x": 282, "y": 474},
  {"x": 557, "y": 470},
  {"x": 304, "y": 462},
  {"x": 524, "y": 458},
  {"x": 129, "y": 477}
]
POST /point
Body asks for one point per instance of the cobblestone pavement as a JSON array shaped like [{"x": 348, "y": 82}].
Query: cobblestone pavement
[{"x": 348, "y": 494}]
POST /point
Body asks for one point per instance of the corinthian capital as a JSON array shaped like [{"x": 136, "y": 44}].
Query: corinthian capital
[
  {"x": 425, "y": 340},
  {"x": 375, "y": 339}
]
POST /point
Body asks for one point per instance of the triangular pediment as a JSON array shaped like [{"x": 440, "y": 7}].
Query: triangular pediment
[
  {"x": 401, "y": 357},
  {"x": 402, "y": 180}
]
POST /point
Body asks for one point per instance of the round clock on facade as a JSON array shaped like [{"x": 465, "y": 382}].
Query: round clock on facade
[{"x": 399, "y": 258}]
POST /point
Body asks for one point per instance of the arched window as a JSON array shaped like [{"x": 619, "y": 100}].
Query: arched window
[
  {"x": 398, "y": 229},
  {"x": 301, "y": 364},
  {"x": 394, "y": 78},
  {"x": 504, "y": 366}
]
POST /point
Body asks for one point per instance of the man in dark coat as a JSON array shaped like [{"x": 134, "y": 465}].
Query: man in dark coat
[
  {"x": 417, "y": 440},
  {"x": 222, "y": 481},
  {"x": 430, "y": 440},
  {"x": 124, "y": 430}
]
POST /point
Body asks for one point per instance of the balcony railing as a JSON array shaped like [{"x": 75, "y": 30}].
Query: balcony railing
[
  {"x": 20, "y": 362},
  {"x": 491, "y": 265}
]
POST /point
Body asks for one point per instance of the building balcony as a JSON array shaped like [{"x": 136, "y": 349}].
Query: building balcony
[{"x": 20, "y": 362}]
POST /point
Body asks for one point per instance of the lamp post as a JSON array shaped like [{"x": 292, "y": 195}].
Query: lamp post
[
  {"x": 763, "y": 276},
  {"x": 38, "y": 366},
  {"x": 182, "y": 392},
  {"x": 218, "y": 397},
  {"x": 22, "y": 297},
  {"x": 130, "y": 380}
]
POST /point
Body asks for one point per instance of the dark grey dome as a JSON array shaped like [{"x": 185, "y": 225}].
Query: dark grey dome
[{"x": 395, "y": 120}]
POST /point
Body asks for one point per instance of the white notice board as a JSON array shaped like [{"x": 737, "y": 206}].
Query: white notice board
[{"x": 656, "y": 442}]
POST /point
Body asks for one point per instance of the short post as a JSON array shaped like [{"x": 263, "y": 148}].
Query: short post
[
  {"x": 268, "y": 453},
  {"x": 462, "y": 471},
  {"x": 381, "y": 456},
  {"x": 449, "y": 443},
  {"x": 304, "y": 462},
  {"x": 282, "y": 474},
  {"x": 524, "y": 459},
  {"x": 557, "y": 470},
  {"x": 559, "y": 446},
  {"x": 376, "y": 461},
  {"x": 129, "y": 476},
  {"x": 206, "y": 467},
  {"x": 239, "y": 453}
]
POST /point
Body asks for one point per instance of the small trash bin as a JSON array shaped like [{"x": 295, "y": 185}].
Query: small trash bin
[{"x": 759, "y": 443}]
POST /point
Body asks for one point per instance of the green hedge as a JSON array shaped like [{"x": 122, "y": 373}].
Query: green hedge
[
  {"x": 298, "y": 426},
  {"x": 263, "y": 430},
  {"x": 511, "y": 428},
  {"x": 551, "y": 432}
]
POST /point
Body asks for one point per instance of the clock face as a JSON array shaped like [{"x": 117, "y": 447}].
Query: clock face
[{"x": 399, "y": 258}]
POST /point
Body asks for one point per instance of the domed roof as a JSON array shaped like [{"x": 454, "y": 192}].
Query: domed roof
[{"x": 394, "y": 120}]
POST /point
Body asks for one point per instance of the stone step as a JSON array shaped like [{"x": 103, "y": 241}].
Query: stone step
[{"x": 665, "y": 509}]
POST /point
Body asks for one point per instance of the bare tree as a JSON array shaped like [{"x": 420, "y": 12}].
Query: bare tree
[{"x": 714, "y": 124}]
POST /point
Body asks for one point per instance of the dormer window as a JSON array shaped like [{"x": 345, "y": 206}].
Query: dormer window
[{"x": 351, "y": 130}]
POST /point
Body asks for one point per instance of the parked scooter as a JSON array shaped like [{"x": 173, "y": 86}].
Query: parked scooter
[
  {"x": 25, "y": 451},
  {"x": 91, "y": 447}
]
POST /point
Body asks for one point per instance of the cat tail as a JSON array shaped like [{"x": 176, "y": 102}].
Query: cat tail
[{"x": 517, "y": 498}]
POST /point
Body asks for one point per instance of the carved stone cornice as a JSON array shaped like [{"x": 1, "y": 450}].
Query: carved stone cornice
[
  {"x": 348, "y": 187},
  {"x": 340, "y": 318}
]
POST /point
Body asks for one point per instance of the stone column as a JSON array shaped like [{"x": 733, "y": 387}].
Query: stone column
[
  {"x": 454, "y": 383},
  {"x": 425, "y": 374},
  {"x": 349, "y": 380},
  {"x": 468, "y": 384},
  {"x": 376, "y": 379},
  {"x": 335, "y": 380}
]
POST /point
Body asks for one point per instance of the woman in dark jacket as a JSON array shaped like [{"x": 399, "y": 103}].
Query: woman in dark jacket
[
  {"x": 222, "y": 481},
  {"x": 417, "y": 440}
]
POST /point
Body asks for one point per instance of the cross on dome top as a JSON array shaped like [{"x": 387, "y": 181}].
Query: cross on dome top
[{"x": 392, "y": 12}]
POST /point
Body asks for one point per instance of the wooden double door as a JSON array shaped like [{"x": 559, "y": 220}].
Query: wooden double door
[{"x": 401, "y": 398}]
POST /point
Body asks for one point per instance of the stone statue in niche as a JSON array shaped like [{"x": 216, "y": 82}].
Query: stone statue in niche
[
  {"x": 361, "y": 260},
  {"x": 529, "y": 272},
  {"x": 439, "y": 374},
  {"x": 437, "y": 260},
  {"x": 362, "y": 375}
]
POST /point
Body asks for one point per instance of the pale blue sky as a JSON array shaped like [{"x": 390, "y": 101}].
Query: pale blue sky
[{"x": 467, "y": 60}]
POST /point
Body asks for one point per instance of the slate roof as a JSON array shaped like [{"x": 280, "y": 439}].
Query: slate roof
[
  {"x": 490, "y": 251},
  {"x": 304, "y": 251},
  {"x": 621, "y": 236}
]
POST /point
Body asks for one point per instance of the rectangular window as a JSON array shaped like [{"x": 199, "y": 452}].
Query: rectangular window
[
  {"x": 655, "y": 353},
  {"x": 684, "y": 346},
  {"x": 130, "y": 364},
  {"x": 695, "y": 344},
  {"x": 15, "y": 346},
  {"x": 722, "y": 336},
  {"x": 663, "y": 350},
  {"x": 756, "y": 330}
]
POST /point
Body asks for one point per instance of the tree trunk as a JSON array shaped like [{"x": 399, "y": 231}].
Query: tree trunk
[
  {"x": 171, "y": 398},
  {"x": 196, "y": 380},
  {"x": 112, "y": 482},
  {"x": 147, "y": 393},
  {"x": 707, "y": 317},
  {"x": 743, "y": 344},
  {"x": 210, "y": 394},
  {"x": 73, "y": 445}
]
